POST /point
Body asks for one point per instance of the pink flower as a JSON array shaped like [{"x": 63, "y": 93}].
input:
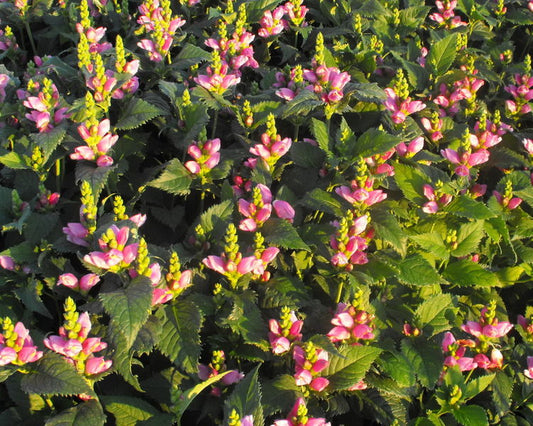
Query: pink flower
[
  {"x": 97, "y": 365},
  {"x": 68, "y": 280},
  {"x": 7, "y": 262},
  {"x": 298, "y": 417},
  {"x": 284, "y": 332},
  {"x": 465, "y": 160},
  {"x": 506, "y": 201},
  {"x": 66, "y": 347},
  {"x": 76, "y": 234},
  {"x": 272, "y": 22},
  {"x": 409, "y": 150},
  {"x": 529, "y": 372},
  {"x": 283, "y": 210},
  {"x": 400, "y": 108}
]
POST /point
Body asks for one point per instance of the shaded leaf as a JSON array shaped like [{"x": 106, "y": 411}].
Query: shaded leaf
[
  {"x": 320, "y": 200},
  {"x": 281, "y": 233},
  {"x": 470, "y": 415},
  {"x": 175, "y": 179},
  {"x": 128, "y": 410},
  {"x": 246, "y": 398},
  {"x": 88, "y": 413},
  {"x": 136, "y": 113},
  {"x": 430, "y": 316}
]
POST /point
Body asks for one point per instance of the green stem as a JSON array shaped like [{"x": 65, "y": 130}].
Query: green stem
[
  {"x": 296, "y": 132},
  {"x": 30, "y": 36},
  {"x": 215, "y": 122},
  {"x": 339, "y": 291}
]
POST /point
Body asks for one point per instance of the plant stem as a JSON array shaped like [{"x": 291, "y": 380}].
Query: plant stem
[
  {"x": 215, "y": 122},
  {"x": 30, "y": 36},
  {"x": 339, "y": 291}
]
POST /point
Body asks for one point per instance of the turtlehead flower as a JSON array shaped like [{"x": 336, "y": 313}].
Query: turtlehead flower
[
  {"x": 437, "y": 198},
  {"x": 529, "y": 372},
  {"x": 216, "y": 367},
  {"x": 410, "y": 149},
  {"x": 298, "y": 416},
  {"x": 361, "y": 193},
  {"x": 99, "y": 141},
  {"x": 84, "y": 284},
  {"x": 284, "y": 332},
  {"x": 455, "y": 351},
  {"x": 272, "y": 22},
  {"x": 309, "y": 362},
  {"x": 401, "y": 108},
  {"x": 465, "y": 160},
  {"x": 4, "y": 81},
  {"x": 7, "y": 263},
  {"x": 445, "y": 16},
  {"x": 352, "y": 325},
  {"x": 16, "y": 345},
  {"x": 206, "y": 155},
  {"x": 271, "y": 148}
]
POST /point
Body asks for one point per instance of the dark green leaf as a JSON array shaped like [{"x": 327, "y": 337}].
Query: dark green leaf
[
  {"x": 129, "y": 307},
  {"x": 128, "y": 410},
  {"x": 52, "y": 375},
  {"x": 502, "y": 387},
  {"x": 94, "y": 175},
  {"x": 281, "y": 233},
  {"x": 216, "y": 218},
  {"x": 471, "y": 415},
  {"x": 432, "y": 242},
  {"x": 320, "y": 133},
  {"x": 468, "y": 238},
  {"x": 191, "y": 55},
  {"x": 175, "y": 179},
  {"x": 302, "y": 104},
  {"x": 49, "y": 141},
  {"x": 180, "y": 335},
  {"x": 464, "y": 206},
  {"x": 375, "y": 141},
  {"x": 88, "y": 413},
  {"x": 430, "y": 316},
  {"x": 415, "y": 270},
  {"x": 411, "y": 181},
  {"x": 344, "y": 372},
  {"x": 466, "y": 273},
  {"x": 148, "y": 335},
  {"x": 323, "y": 201},
  {"x": 477, "y": 385},
  {"x": 136, "y": 113},
  {"x": 245, "y": 319},
  {"x": 441, "y": 55},
  {"x": 426, "y": 360},
  {"x": 398, "y": 366}
]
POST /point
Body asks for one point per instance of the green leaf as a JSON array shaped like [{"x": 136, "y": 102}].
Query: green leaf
[
  {"x": 468, "y": 238},
  {"x": 471, "y": 415},
  {"x": 88, "y": 413},
  {"x": 306, "y": 155},
  {"x": 464, "y": 206},
  {"x": 432, "y": 242},
  {"x": 301, "y": 105},
  {"x": 417, "y": 75},
  {"x": 388, "y": 228},
  {"x": 426, "y": 360},
  {"x": 175, "y": 179},
  {"x": 502, "y": 388},
  {"x": 246, "y": 398},
  {"x": 430, "y": 316},
  {"x": 466, "y": 273},
  {"x": 441, "y": 55},
  {"x": 411, "y": 182},
  {"x": 94, "y": 175},
  {"x": 191, "y": 54},
  {"x": 52, "y": 375},
  {"x": 39, "y": 226},
  {"x": 129, "y": 307},
  {"x": 246, "y": 319},
  {"x": 397, "y": 366},
  {"x": 323, "y": 201},
  {"x": 13, "y": 161},
  {"x": 319, "y": 129},
  {"x": 122, "y": 356},
  {"x": 180, "y": 335},
  {"x": 188, "y": 396},
  {"x": 216, "y": 218},
  {"x": 477, "y": 385},
  {"x": 415, "y": 270},
  {"x": 148, "y": 335},
  {"x": 49, "y": 141},
  {"x": 281, "y": 233},
  {"x": 30, "y": 296},
  {"x": 375, "y": 141},
  {"x": 136, "y": 113},
  {"x": 344, "y": 372},
  {"x": 367, "y": 92},
  {"x": 128, "y": 410}
]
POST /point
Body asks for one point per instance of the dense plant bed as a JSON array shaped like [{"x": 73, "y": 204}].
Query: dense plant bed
[{"x": 265, "y": 212}]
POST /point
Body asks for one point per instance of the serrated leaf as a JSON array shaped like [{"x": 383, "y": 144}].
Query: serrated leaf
[
  {"x": 441, "y": 55},
  {"x": 301, "y": 105},
  {"x": 375, "y": 141},
  {"x": 320, "y": 133},
  {"x": 245, "y": 319},
  {"x": 52, "y": 375},
  {"x": 468, "y": 238},
  {"x": 122, "y": 357},
  {"x": 180, "y": 335},
  {"x": 368, "y": 92},
  {"x": 129, "y": 307},
  {"x": 281, "y": 233},
  {"x": 216, "y": 218},
  {"x": 175, "y": 179},
  {"x": 94, "y": 175},
  {"x": 13, "y": 161},
  {"x": 323, "y": 201},
  {"x": 388, "y": 229},
  {"x": 38, "y": 226},
  {"x": 464, "y": 206},
  {"x": 246, "y": 398},
  {"x": 307, "y": 155},
  {"x": 148, "y": 335},
  {"x": 477, "y": 385},
  {"x": 49, "y": 141},
  {"x": 29, "y": 295},
  {"x": 430, "y": 316},
  {"x": 191, "y": 54},
  {"x": 188, "y": 396},
  {"x": 411, "y": 182},
  {"x": 88, "y": 413},
  {"x": 128, "y": 410},
  {"x": 415, "y": 270},
  {"x": 343, "y": 372},
  {"x": 136, "y": 113},
  {"x": 471, "y": 415},
  {"x": 426, "y": 361},
  {"x": 502, "y": 387},
  {"x": 397, "y": 366},
  {"x": 466, "y": 273},
  {"x": 432, "y": 242}
]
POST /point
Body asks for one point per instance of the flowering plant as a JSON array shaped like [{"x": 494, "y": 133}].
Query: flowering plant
[{"x": 239, "y": 212}]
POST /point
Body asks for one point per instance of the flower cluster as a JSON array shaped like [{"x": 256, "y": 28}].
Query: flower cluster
[
  {"x": 84, "y": 284},
  {"x": 258, "y": 211},
  {"x": 271, "y": 148},
  {"x": 348, "y": 243},
  {"x": 74, "y": 343},
  {"x": 522, "y": 93},
  {"x": 206, "y": 155},
  {"x": 309, "y": 362},
  {"x": 219, "y": 77},
  {"x": 116, "y": 253},
  {"x": 157, "y": 21},
  {"x": 353, "y": 324},
  {"x": 285, "y": 332},
  {"x": 43, "y": 101},
  {"x": 99, "y": 141},
  {"x": 176, "y": 282},
  {"x": 470, "y": 153},
  {"x": 298, "y": 416},
  {"x": 398, "y": 101},
  {"x": 437, "y": 198},
  {"x": 445, "y": 16},
  {"x": 16, "y": 345}
]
